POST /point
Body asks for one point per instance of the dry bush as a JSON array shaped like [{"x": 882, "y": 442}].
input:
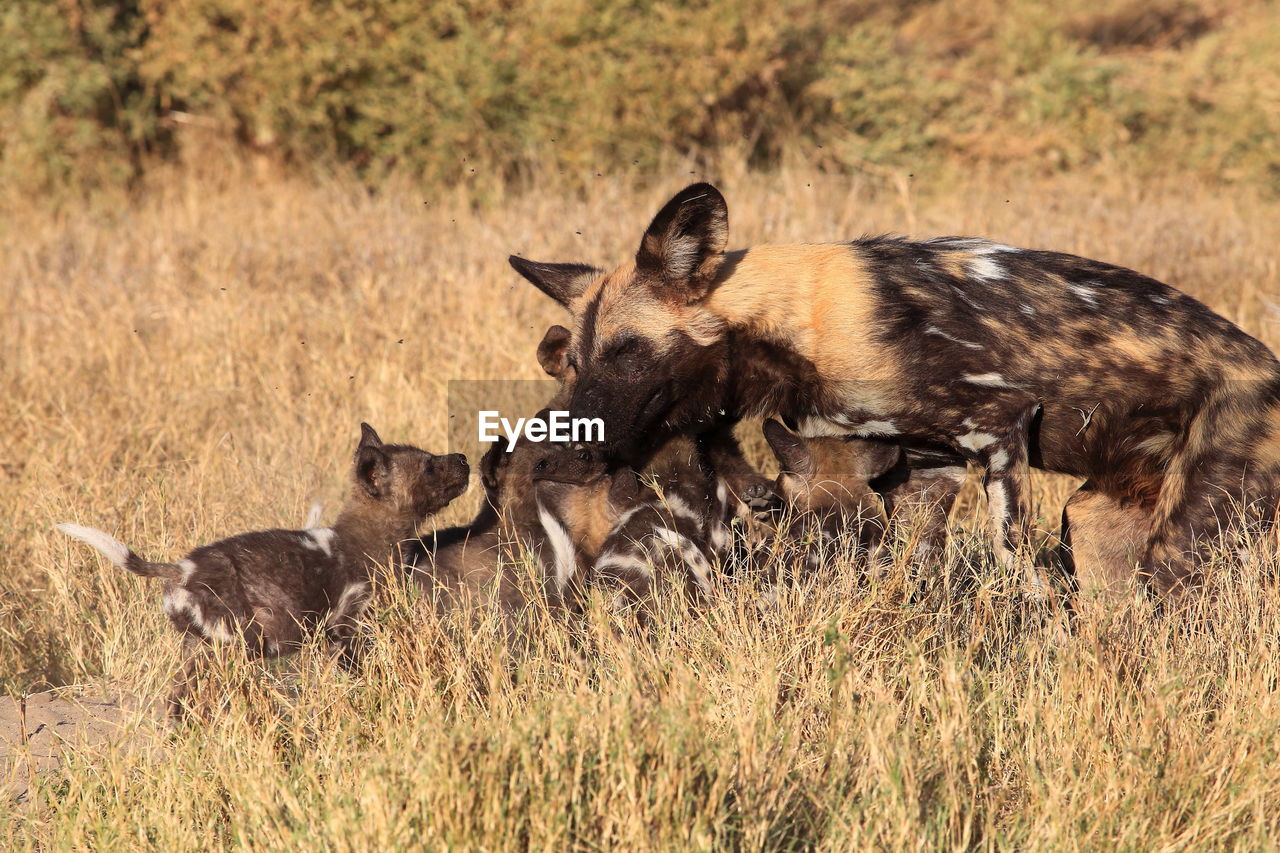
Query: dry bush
[{"x": 197, "y": 364}]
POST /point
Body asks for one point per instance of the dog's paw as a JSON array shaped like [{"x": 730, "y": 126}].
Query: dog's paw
[{"x": 761, "y": 499}]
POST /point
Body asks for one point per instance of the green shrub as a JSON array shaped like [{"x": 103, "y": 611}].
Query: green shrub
[{"x": 92, "y": 92}]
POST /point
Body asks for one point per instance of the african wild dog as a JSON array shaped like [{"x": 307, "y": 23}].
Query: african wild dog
[
  {"x": 840, "y": 480},
  {"x": 826, "y": 483},
  {"x": 921, "y": 486},
  {"x": 688, "y": 495},
  {"x": 678, "y": 518},
  {"x": 1009, "y": 358},
  {"x": 268, "y": 588}
]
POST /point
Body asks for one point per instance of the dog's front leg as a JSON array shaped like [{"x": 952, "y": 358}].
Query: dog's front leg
[{"x": 1002, "y": 452}]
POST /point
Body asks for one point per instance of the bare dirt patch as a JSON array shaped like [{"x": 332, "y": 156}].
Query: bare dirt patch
[{"x": 38, "y": 731}]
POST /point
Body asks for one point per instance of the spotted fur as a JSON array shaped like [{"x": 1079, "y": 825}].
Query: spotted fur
[{"x": 1007, "y": 358}]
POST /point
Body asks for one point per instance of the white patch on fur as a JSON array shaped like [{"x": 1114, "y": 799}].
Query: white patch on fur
[
  {"x": 177, "y": 599},
  {"x": 719, "y": 537},
  {"x": 816, "y": 427},
  {"x": 976, "y": 245},
  {"x": 611, "y": 560},
  {"x": 987, "y": 247},
  {"x": 668, "y": 537},
  {"x": 679, "y": 508},
  {"x": 319, "y": 539},
  {"x": 998, "y": 506},
  {"x": 626, "y": 516},
  {"x": 957, "y": 474},
  {"x": 975, "y": 441},
  {"x": 1027, "y": 309},
  {"x": 875, "y": 428},
  {"x": 934, "y": 330},
  {"x": 313, "y": 516},
  {"x": 999, "y": 460},
  {"x": 564, "y": 562},
  {"x": 188, "y": 569},
  {"x": 1085, "y": 293},
  {"x": 983, "y": 268},
  {"x": 698, "y": 565},
  {"x": 988, "y": 380},
  {"x": 353, "y": 600},
  {"x": 111, "y": 548},
  {"x": 722, "y": 493},
  {"x": 1161, "y": 300}
]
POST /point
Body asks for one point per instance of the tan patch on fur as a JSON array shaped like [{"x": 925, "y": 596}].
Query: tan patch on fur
[
  {"x": 629, "y": 305},
  {"x": 816, "y": 299},
  {"x": 1107, "y": 541},
  {"x": 588, "y": 515},
  {"x": 1268, "y": 452}
]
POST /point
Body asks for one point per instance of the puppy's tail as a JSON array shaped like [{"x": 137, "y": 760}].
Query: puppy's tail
[{"x": 118, "y": 553}]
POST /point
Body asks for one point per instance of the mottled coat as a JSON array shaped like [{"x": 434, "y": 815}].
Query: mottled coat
[{"x": 1007, "y": 358}]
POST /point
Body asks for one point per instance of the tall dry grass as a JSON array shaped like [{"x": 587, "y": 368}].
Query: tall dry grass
[{"x": 197, "y": 364}]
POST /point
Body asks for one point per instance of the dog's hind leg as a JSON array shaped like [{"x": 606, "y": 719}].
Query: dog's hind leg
[{"x": 194, "y": 653}]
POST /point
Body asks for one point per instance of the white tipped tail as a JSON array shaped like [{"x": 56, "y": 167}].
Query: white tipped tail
[
  {"x": 118, "y": 553},
  {"x": 113, "y": 549},
  {"x": 313, "y": 517}
]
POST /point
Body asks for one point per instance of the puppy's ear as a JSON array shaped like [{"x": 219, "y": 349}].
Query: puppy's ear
[
  {"x": 873, "y": 458},
  {"x": 368, "y": 437},
  {"x": 553, "y": 351},
  {"x": 625, "y": 489},
  {"x": 494, "y": 458},
  {"x": 790, "y": 449},
  {"x": 373, "y": 467},
  {"x": 562, "y": 282}
]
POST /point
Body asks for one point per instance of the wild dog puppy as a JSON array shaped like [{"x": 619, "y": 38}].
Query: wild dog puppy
[
  {"x": 826, "y": 483},
  {"x": 704, "y": 470},
  {"x": 673, "y": 519},
  {"x": 267, "y": 589},
  {"x": 1009, "y": 358}
]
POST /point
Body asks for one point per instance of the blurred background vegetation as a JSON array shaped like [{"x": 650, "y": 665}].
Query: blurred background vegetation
[{"x": 99, "y": 93}]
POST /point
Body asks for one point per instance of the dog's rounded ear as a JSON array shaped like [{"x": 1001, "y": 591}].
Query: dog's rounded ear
[
  {"x": 625, "y": 488},
  {"x": 492, "y": 460},
  {"x": 553, "y": 351},
  {"x": 562, "y": 282},
  {"x": 373, "y": 470},
  {"x": 684, "y": 245},
  {"x": 791, "y": 450},
  {"x": 873, "y": 458}
]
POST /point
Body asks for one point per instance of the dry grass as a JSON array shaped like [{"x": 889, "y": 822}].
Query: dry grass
[{"x": 197, "y": 364}]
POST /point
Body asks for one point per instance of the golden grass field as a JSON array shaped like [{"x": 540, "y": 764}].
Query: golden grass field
[{"x": 197, "y": 363}]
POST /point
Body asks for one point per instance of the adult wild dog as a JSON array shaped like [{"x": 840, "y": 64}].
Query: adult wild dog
[
  {"x": 1008, "y": 358},
  {"x": 561, "y": 514}
]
